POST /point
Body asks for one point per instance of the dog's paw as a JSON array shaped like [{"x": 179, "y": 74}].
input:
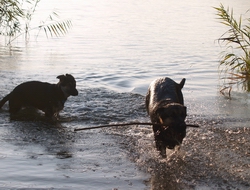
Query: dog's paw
[{"x": 163, "y": 153}]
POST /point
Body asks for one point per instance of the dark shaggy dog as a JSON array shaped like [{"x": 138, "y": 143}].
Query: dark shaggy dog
[
  {"x": 49, "y": 98},
  {"x": 164, "y": 103}
]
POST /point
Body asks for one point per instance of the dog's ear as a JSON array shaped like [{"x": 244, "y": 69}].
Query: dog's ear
[
  {"x": 61, "y": 77},
  {"x": 182, "y": 83}
]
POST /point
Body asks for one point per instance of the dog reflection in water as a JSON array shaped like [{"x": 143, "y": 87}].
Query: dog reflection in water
[
  {"x": 165, "y": 105},
  {"x": 49, "y": 98}
]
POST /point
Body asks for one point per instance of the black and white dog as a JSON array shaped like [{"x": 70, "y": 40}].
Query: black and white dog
[
  {"x": 49, "y": 98},
  {"x": 165, "y": 105}
]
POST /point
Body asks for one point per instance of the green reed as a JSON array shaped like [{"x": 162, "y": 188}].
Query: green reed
[
  {"x": 16, "y": 15},
  {"x": 235, "y": 60}
]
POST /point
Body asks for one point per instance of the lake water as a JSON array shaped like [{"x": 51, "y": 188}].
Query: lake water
[{"x": 114, "y": 50}]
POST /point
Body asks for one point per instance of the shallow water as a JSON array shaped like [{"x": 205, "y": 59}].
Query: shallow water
[{"x": 114, "y": 50}]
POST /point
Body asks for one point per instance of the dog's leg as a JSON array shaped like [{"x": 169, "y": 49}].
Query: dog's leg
[
  {"x": 52, "y": 117},
  {"x": 160, "y": 146},
  {"x": 163, "y": 151},
  {"x": 49, "y": 112}
]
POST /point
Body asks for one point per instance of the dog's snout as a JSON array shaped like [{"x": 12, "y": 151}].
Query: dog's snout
[
  {"x": 181, "y": 125},
  {"x": 74, "y": 92}
]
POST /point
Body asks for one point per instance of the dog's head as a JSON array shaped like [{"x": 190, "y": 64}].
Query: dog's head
[
  {"x": 68, "y": 85},
  {"x": 173, "y": 116}
]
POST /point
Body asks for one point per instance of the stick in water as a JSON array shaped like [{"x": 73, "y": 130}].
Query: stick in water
[{"x": 126, "y": 124}]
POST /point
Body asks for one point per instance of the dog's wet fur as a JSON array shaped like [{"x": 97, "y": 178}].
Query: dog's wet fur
[
  {"x": 165, "y": 105},
  {"x": 49, "y": 98}
]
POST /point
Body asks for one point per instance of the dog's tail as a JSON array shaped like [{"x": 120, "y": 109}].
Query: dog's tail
[
  {"x": 5, "y": 99},
  {"x": 182, "y": 83}
]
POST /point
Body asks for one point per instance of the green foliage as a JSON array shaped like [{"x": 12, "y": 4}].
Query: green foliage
[
  {"x": 10, "y": 13},
  {"x": 55, "y": 28},
  {"x": 15, "y": 20},
  {"x": 235, "y": 60}
]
